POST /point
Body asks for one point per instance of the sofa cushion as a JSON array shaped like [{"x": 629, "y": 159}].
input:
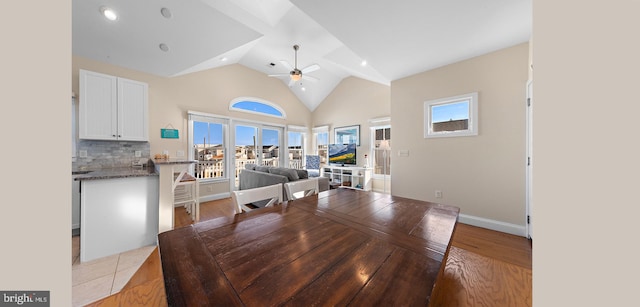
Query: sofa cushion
[
  {"x": 250, "y": 166},
  {"x": 292, "y": 174},
  {"x": 302, "y": 174},
  {"x": 264, "y": 169}
]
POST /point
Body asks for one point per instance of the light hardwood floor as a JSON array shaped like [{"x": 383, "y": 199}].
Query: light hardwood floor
[{"x": 484, "y": 268}]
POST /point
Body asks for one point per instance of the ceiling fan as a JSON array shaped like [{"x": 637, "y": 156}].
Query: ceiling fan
[{"x": 297, "y": 74}]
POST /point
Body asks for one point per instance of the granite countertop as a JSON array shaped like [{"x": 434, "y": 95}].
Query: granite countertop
[
  {"x": 116, "y": 172},
  {"x": 173, "y": 161}
]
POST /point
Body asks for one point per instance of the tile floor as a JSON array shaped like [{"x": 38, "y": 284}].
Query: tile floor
[{"x": 96, "y": 279}]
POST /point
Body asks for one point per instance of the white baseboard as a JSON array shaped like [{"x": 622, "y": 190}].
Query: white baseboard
[
  {"x": 215, "y": 197},
  {"x": 212, "y": 197},
  {"x": 513, "y": 229}
]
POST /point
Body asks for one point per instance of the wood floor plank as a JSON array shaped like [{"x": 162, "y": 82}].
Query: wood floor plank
[
  {"x": 277, "y": 286},
  {"x": 502, "y": 246},
  {"x": 342, "y": 282},
  {"x": 474, "y": 280},
  {"x": 405, "y": 279}
]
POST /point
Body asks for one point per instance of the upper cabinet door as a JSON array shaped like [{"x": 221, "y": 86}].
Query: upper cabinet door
[
  {"x": 98, "y": 106},
  {"x": 132, "y": 110},
  {"x": 112, "y": 108}
]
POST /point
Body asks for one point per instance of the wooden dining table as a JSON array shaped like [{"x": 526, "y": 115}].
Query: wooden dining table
[{"x": 341, "y": 247}]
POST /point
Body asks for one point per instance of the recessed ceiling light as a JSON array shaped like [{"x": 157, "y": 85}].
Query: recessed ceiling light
[
  {"x": 108, "y": 13},
  {"x": 223, "y": 59},
  {"x": 363, "y": 63},
  {"x": 303, "y": 89},
  {"x": 164, "y": 47},
  {"x": 165, "y": 12}
]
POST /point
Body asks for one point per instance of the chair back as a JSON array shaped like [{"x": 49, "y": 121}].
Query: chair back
[
  {"x": 301, "y": 188},
  {"x": 242, "y": 198}
]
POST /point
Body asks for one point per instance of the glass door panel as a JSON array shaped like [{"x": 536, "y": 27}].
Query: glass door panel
[{"x": 246, "y": 145}]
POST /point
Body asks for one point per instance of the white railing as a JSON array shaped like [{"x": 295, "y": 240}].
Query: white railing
[{"x": 215, "y": 169}]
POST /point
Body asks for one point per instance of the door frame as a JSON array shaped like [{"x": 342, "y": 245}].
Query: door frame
[{"x": 529, "y": 160}]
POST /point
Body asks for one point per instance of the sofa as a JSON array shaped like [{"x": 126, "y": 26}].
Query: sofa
[{"x": 254, "y": 176}]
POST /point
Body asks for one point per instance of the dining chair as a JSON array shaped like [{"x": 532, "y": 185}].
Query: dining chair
[
  {"x": 186, "y": 189},
  {"x": 312, "y": 165},
  {"x": 271, "y": 193},
  {"x": 301, "y": 188}
]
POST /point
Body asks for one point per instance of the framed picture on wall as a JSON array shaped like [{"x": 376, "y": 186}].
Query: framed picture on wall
[{"x": 347, "y": 135}]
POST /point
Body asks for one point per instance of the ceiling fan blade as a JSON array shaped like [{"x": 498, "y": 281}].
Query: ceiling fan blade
[
  {"x": 279, "y": 75},
  {"x": 286, "y": 65},
  {"x": 310, "y": 68},
  {"x": 310, "y": 78}
]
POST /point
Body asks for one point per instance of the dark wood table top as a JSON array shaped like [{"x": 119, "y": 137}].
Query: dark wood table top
[{"x": 340, "y": 247}]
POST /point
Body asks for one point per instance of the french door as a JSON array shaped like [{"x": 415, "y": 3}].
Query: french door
[{"x": 255, "y": 143}]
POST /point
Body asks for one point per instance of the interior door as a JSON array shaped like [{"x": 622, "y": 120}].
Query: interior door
[{"x": 529, "y": 162}]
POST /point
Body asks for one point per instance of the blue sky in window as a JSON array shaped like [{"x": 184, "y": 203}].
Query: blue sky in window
[
  {"x": 450, "y": 111},
  {"x": 211, "y": 134},
  {"x": 257, "y": 107}
]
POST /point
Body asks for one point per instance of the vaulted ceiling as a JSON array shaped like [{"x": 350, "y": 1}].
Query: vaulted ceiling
[{"x": 396, "y": 39}]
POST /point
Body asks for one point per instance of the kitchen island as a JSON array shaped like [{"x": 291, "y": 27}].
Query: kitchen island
[{"x": 118, "y": 210}]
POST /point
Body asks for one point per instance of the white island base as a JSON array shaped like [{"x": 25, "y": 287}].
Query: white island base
[{"x": 117, "y": 215}]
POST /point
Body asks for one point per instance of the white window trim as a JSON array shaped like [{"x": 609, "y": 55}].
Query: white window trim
[
  {"x": 216, "y": 119},
  {"x": 472, "y": 128},
  {"x": 255, "y": 99}
]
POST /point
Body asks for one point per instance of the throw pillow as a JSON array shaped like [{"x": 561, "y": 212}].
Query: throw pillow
[
  {"x": 250, "y": 166},
  {"x": 288, "y": 172},
  {"x": 302, "y": 173},
  {"x": 264, "y": 169}
]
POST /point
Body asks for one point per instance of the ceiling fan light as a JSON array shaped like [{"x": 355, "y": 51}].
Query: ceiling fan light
[
  {"x": 108, "y": 13},
  {"x": 296, "y": 77}
]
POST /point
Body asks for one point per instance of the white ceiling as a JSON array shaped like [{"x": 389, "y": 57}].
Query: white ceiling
[{"x": 396, "y": 38}]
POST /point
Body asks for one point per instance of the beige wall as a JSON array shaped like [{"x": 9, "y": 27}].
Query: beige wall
[
  {"x": 208, "y": 91},
  {"x": 354, "y": 102},
  {"x": 484, "y": 175}
]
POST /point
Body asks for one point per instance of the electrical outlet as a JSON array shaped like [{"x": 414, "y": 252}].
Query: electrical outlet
[
  {"x": 138, "y": 153},
  {"x": 438, "y": 194}
]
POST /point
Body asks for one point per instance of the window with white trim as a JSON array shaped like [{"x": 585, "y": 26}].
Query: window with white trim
[
  {"x": 208, "y": 141},
  {"x": 321, "y": 142},
  {"x": 296, "y": 136},
  {"x": 381, "y": 157},
  {"x": 258, "y": 106},
  {"x": 451, "y": 116}
]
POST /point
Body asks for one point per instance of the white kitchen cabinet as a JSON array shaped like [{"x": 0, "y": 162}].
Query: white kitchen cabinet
[
  {"x": 117, "y": 215},
  {"x": 112, "y": 108}
]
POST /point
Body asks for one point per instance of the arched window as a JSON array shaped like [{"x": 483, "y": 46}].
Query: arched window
[{"x": 257, "y": 106}]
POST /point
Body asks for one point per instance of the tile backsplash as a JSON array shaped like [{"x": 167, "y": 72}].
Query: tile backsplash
[{"x": 109, "y": 154}]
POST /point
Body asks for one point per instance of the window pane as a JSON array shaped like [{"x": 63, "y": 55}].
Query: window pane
[
  {"x": 270, "y": 147},
  {"x": 257, "y": 107},
  {"x": 208, "y": 149},
  {"x": 382, "y": 152},
  {"x": 295, "y": 150},
  {"x": 322, "y": 140},
  {"x": 450, "y": 116}
]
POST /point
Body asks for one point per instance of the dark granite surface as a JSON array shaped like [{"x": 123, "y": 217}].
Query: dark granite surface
[{"x": 116, "y": 172}]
